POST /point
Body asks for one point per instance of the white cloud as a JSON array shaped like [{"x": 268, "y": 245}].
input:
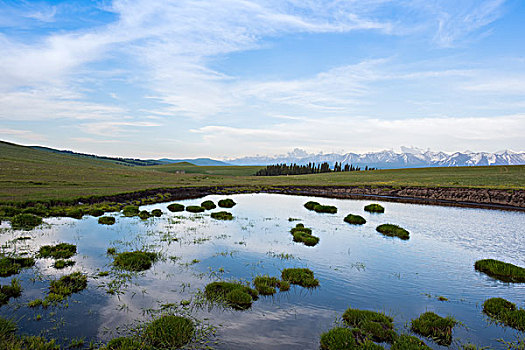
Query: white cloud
[
  {"x": 25, "y": 135},
  {"x": 115, "y": 128}
]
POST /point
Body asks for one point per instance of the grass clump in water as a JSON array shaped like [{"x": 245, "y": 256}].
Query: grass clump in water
[
  {"x": 208, "y": 205},
  {"x": 434, "y": 327},
  {"x": 12, "y": 265},
  {"x": 169, "y": 332},
  {"x": 96, "y": 212},
  {"x": 222, "y": 215},
  {"x": 409, "y": 342},
  {"x": 300, "y": 276},
  {"x": 156, "y": 213},
  {"x": 501, "y": 270},
  {"x": 59, "y": 251},
  {"x": 135, "y": 261},
  {"x": 12, "y": 290},
  {"x": 391, "y": 230},
  {"x": 311, "y": 205},
  {"x": 266, "y": 285},
  {"x": 61, "y": 263},
  {"x": 66, "y": 285},
  {"x": 330, "y": 209},
  {"x": 376, "y": 326},
  {"x": 195, "y": 209},
  {"x": 505, "y": 312},
  {"x": 25, "y": 221},
  {"x": 126, "y": 343},
  {"x": 226, "y": 203},
  {"x": 106, "y": 220},
  {"x": 234, "y": 294},
  {"x": 355, "y": 219},
  {"x": 144, "y": 214},
  {"x": 304, "y": 235},
  {"x": 12, "y": 341},
  {"x": 130, "y": 210},
  {"x": 338, "y": 338},
  {"x": 174, "y": 207},
  {"x": 374, "y": 208}
]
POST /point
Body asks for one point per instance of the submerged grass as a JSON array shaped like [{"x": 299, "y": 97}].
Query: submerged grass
[
  {"x": 59, "y": 251},
  {"x": 222, "y": 215},
  {"x": 505, "y": 312},
  {"x": 106, "y": 220},
  {"x": 301, "y": 276},
  {"x": 354, "y": 219},
  {"x": 234, "y": 294},
  {"x": 435, "y": 327},
  {"x": 374, "y": 208},
  {"x": 135, "y": 261},
  {"x": 501, "y": 270},
  {"x": 391, "y": 230}
]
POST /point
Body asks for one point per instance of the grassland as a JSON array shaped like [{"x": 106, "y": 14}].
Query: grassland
[{"x": 30, "y": 174}]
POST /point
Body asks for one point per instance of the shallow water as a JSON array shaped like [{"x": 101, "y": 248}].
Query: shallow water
[{"x": 356, "y": 267}]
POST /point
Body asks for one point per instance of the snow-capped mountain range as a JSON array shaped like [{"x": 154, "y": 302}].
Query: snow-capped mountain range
[{"x": 388, "y": 159}]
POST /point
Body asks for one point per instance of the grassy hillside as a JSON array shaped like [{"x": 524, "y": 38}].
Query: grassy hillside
[{"x": 29, "y": 174}]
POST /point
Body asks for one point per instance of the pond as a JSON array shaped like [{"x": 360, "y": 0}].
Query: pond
[{"x": 356, "y": 267}]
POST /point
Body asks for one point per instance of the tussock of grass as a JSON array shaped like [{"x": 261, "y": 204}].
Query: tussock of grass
[
  {"x": 169, "y": 332},
  {"x": 329, "y": 209},
  {"x": 60, "y": 264},
  {"x": 66, "y": 285},
  {"x": 126, "y": 343},
  {"x": 144, "y": 214},
  {"x": 12, "y": 341},
  {"x": 376, "y": 326},
  {"x": 135, "y": 261},
  {"x": 409, "y": 342},
  {"x": 227, "y": 203},
  {"x": 106, "y": 220},
  {"x": 130, "y": 210},
  {"x": 391, "y": 230},
  {"x": 234, "y": 294},
  {"x": 501, "y": 270},
  {"x": 75, "y": 213},
  {"x": 12, "y": 265},
  {"x": 156, "y": 213},
  {"x": 435, "y": 327},
  {"x": 266, "y": 285},
  {"x": 355, "y": 219},
  {"x": 374, "y": 208},
  {"x": 59, "y": 251},
  {"x": 25, "y": 222},
  {"x": 304, "y": 235},
  {"x": 222, "y": 215},
  {"x": 96, "y": 212},
  {"x": 300, "y": 276},
  {"x": 12, "y": 290},
  {"x": 338, "y": 338},
  {"x": 311, "y": 205},
  {"x": 195, "y": 209},
  {"x": 208, "y": 205},
  {"x": 505, "y": 312},
  {"x": 174, "y": 207}
]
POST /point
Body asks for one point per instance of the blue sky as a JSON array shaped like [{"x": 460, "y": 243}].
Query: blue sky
[{"x": 228, "y": 78}]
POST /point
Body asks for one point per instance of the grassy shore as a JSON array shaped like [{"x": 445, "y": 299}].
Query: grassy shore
[{"x": 29, "y": 174}]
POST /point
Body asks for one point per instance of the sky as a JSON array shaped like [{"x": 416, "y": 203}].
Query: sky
[{"x": 232, "y": 78}]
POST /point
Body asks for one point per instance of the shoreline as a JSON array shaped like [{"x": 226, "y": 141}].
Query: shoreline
[{"x": 495, "y": 199}]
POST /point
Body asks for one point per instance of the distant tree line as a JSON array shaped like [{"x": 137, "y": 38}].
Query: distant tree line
[{"x": 310, "y": 168}]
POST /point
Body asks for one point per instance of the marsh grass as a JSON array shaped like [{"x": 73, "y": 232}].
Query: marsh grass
[
  {"x": 9, "y": 340},
  {"x": 106, "y": 220},
  {"x": 175, "y": 207},
  {"x": 409, "y": 342},
  {"x": 96, "y": 212},
  {"x": 327, "y": 209},
  {"x": 304, "y": 235},
  {"x": 375, "y": 326},
  {"x": 226, "y": 203},
  {"x": 126, "y": 343},
  {"x": 130, "y": 210},
  {"x": 301, "y": 276},
  {"x": 505, "y": 312},
  {"x": 354, "y": 219},
  {"x": 60, "y": 264},
  {"x": 66, "y": 285},
  {"x": 374, "y": 208},
  {"x": 195, "y": 209},
  {"x": 169, "y": 332},
  {"x": 222, "y": 215},
  {"x": 25, "y": 221},
  {"x": 144, "y": 214},
  {"x": 12, "y": 265},
  {"x": 208, "y": 205},
  {"x": 391, "y": 230},
  {"x": 234, "y": 294},
  {"x": 501, "y": 270},
  {"x": 156, "y": 213},
  {"x": 338, "y": 338},
  {"x": 435, "y": 327},
  {"x": 12, "y": 290},
  {"x": 135, "y": 261},
  {"x": 59, "y": 251},
  {"x": 266, "y": 285},
  {"x": 310, "y": 205}
]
